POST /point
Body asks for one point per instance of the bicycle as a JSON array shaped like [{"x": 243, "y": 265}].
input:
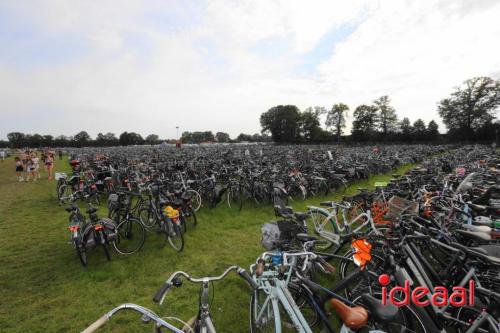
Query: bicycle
[{"x": 202, "y": 322}]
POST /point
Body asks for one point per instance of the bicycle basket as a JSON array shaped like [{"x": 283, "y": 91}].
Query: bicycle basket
[
  {"x": 270, "y": 235},
  {"x": 399, "y": 206}
]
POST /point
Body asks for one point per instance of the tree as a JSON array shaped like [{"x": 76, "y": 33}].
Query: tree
[
  {"x": 432, "y": 130},
  {"x": 152, "y": 139},
  {"x": 282, "y": 122},
  {"x": 244, "y": 138},
  {"x": 82, "y": 138},
  {"x": 419, "y": 130},
  {"x": 131, "y": 138},
  {"x": 47, "y": 140},
  {"x": 16, "y": 139},
  {"x": 222, "y": 137},
  {"x": 308, "y": 125},
  {"x": 61, "y": 141},
  {"x": 471, "y": 106},
  {"x": 336, "y": 118},
  {"x": 387, "y": 119},
  {"x": 405, "y": 129},
  {"x": 365, "y": 122}
]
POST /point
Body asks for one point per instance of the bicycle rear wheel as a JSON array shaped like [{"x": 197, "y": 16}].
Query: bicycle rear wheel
[
  {"x": 80, "y": 252},
  {"x": 130, "y": 236}
]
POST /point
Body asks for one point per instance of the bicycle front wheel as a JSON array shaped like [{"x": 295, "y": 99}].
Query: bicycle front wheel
[
  {"x": 175, "y": 237},
  {"x": 264, "y": 316},
  {"x": 195, "y": 199},
  {"x": 130, "y": 236}
]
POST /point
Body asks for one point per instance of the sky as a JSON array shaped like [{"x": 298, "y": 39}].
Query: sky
[{"x": 149, "y": 66}]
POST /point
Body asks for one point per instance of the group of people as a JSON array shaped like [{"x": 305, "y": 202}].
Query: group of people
[{"x": 28, "y": 165}]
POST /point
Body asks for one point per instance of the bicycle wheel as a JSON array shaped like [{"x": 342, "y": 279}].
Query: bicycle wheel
[
  {"x": 130, "y": 236},
  {"x": 234, "y": 199},
  {"x": 264, "y": 317},
  {"x": 101, "y": 238},
  {"x": 318, "y": 224},
  {"x": 360, "y": 286},
  {"x": 409, "y": 319},
  {"x": 189, "y": 219},
  {"x": 195, "y": 199},
  {"x": 304, "y": 304},
  {"x": 175, "y": 236},
  {"x": 65, "y": 193},
  {"x": 80, "y": 252},
  {"x": 60, "y": 183},
  {"x": 147, "y": 217}
]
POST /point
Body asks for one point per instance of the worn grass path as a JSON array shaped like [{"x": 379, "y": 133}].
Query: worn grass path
[{"x": 44, "y": 288}]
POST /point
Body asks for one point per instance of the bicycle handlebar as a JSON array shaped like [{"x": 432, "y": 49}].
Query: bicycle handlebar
[{"x": 161, "y": 293}]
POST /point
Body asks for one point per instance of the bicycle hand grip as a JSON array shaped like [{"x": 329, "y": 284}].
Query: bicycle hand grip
[
  {"x": 161, "y": 292},
  {"x": 260, "y": 268},
  {"x": 244, "y": 274},
  {"x": 96, "y": 325}
]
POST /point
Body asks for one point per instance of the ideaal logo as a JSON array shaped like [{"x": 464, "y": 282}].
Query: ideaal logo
[{"x": 419, "y": 296}]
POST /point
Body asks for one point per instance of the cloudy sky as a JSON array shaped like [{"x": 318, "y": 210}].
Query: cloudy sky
[{"x": 148, "y": 66}]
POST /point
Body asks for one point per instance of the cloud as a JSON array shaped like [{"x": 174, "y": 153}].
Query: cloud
[{"x": 150, "y": 66}]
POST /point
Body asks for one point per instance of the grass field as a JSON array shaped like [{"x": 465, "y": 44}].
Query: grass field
[{"x": 44, "y": 288}]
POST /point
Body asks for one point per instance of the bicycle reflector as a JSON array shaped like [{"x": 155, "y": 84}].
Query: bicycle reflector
[
  {"x": 74, "y": 228},
  {"x": 362, "y": 252}
]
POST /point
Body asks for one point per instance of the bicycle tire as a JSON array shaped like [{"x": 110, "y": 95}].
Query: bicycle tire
[
  {"x": 316, "y": 218},
  {"x": 80, "y": 252},
  {"x": 103, "y": 242},
  {"x": 270, "y": 322},
  {"x": 175, "y": 234},
  {"x": 127, "y": 230},
  {"x": 195, "y": 199},
  {"x": 147, "y": 217}
]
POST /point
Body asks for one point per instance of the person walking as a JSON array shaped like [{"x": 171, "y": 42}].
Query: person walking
[
  {"x": 19, "y": 169},
  {"x": 49, "y": 165},
  {"x": 2, "y": 155},
  {"x": 36, "y": 165}
]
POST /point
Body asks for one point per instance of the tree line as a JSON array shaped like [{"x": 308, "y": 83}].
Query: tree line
[
  {"x": 468, "y": 113},
  {"x": 83, "y": 139}
]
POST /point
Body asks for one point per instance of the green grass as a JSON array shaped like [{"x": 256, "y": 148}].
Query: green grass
[{"x": 44, "y": 288}]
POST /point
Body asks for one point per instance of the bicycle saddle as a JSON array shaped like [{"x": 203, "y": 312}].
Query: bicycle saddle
[
  {"x": 326, "y": 203},
  {"x": 353, "y": 317},
  {"x": 383, "y": 313}
]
